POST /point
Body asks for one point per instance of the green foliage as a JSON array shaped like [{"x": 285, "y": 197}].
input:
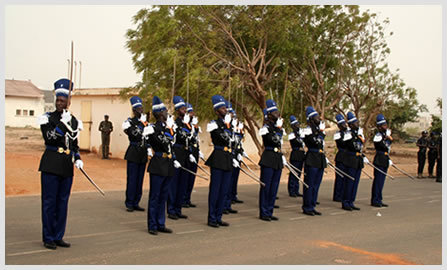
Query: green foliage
[{"x": 436, "y": 121}]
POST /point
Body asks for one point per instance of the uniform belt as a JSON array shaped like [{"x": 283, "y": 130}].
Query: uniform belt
[
  {"x": 135, "y": 143},
  {"x": 275, "y": 149},
  {"x": 383, "y": 153},
  {"x": 315, "y": 150},
  {"x": 225, "y": 148},
  {"x": 180, "y": 146},
  {"x": 163, "y": 155},
  {"x": 298, "y": 148},
  {"x": 59, "y": 149},
  {"x": 353, "y": 153}
]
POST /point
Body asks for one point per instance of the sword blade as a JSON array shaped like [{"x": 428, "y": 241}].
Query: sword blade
[
  {"x": 402, "y": 171},
  {"x": 367, "y": 174},
  {"x": 379, "y": 170},
  {"x": 252, "y": 177},
  {"x": 253, "y": 173},
  {"x": 191, "y": 172},
  {"x": 92, "y": 182},
  {"x": 203, "y": 170},
  {"x": 296, "y": 169},
  {"x": 340, "y": 172},
  {"x": 295, "y": 174}
]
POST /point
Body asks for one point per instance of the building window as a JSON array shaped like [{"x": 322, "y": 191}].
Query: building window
[
  {"x": 25, "y": 112},
  {"x": 31, "y": 112},
  {"x": 18, "y": 112}
]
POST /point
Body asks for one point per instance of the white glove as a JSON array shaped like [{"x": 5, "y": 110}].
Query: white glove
[
  {"x": 322, "y": 125},
  {"x": 149, "y": 152},
  {"x": 365, "y": 160},
  {"x": 177, "y": 164},
  {"x": 327, "y": 160},
  {"x": 284, "y": 160},
  {"x": 143, "y": 117},
  {"x": 170, "y": 121},
  {"x": 227, "y": 118},
  {"x": 126, "y": 125},
  {"x": 390, "y": 162},
  {"x": 148, "y": 130},
  {"x": 239, "y": 157},
  {"x": 195, "y": 120},
  {"x": 79, "y": 164},
  {"x": 241, "y": 126},
  {"x": 201, "y": 155},
  {"x": 186, "y": 118},
  {"x": 388, "y": 132},
  {"x": 66, "y": 116},
  {"x": 192, "y": 159},
  {"x": 279, "y": 122},
  {"x": 234, "y": 122},
  {"x": 245, "y": 155},
  {"x": 235, "y": 163}
]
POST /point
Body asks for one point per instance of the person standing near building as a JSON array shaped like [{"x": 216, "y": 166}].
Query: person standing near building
[
  {"x": 432, "y": 153},
  {"x": 297, "y": 157},
  {"x": 136, "y": 154},
  {"x": 439, "y": 161},
  {"x": 60, "y": 130},
  {"x": 313, "y": 136},
  {"x": 338, "y": 138},
  {"x": 422, "y": 143},
  {"x": 106, "y": 128}
]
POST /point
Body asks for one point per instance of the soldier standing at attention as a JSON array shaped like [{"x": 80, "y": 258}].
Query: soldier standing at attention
[
  {"x": 439, "y": 161},
  {"x": 353, "y": 162},
  {"x": 236, "y": 154},
  {"x": 296, "y": 157},
  {"x": 220, "y": 161},
  {"x": 422, "y": 143},
  {"x": 238, "y": 130},
  {"x": 106, "y": 128},
  {"x": 136, "y": 154},
  {"x": 338, "y": 138},
  {"x": 432, "y": 153},
  {"x": 315, "y": 163},
  {"x": 60, "y": 131},
  {"x": 161, "y": 167},
  {"x": 382, "y": 143},
  {"x": 177, "y": 189},
  {"x": 272, "y": 161}
]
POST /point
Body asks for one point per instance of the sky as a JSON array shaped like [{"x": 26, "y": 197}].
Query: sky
[{"x": 38, "y": 38}]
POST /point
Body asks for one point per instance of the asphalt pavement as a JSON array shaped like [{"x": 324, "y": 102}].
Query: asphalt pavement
[{"x": 100, "y": 230}]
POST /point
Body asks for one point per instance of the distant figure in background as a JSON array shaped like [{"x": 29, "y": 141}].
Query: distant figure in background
[
  {"x": 422, "y": 143},
  {"x": 432, "y": 153},
  {"x": 439, "y": 161},
  {"x": 106, "y": 128}
]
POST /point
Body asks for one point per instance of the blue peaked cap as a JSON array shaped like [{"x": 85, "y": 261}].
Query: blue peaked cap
[
  {"x": 310, "y": 112},
  {"x": 352, "y": 118},
  {"x": 271, "y": 105},
  {"x": 380, "y": 119},
  {"x": 62, "y": 86},
  {"x": 178, "y": 102},
  {"x": 264, "y": 111},
  {"x": 136, "y": 102},
  {"x": 157, "y": 105},
  {"x": 293, "y": 120},
  {"x": 218, "y": 101},
  {"x": 189, "y": 107},
  {"x": 340, "y": 119}
]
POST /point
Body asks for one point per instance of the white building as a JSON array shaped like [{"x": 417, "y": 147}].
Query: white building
[{"x": 24, "y": 102}]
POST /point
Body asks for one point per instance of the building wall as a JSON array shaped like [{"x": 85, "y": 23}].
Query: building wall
[
  {"x": 12, "y": 104},
  {"x": 118, "y": 111}
]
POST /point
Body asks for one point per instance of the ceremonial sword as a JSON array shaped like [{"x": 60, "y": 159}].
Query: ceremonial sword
[
  {"x": 400, "y": 170},
  {"x": 91, "y": 181}
]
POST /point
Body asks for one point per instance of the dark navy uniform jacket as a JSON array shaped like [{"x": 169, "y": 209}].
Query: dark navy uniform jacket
[
  {"x": 422, "y": 141},
  {"x": 181, "y": 145},
  {"x": 221, "y": 136},
  {"x": 297, "y": 144},
  {"x": 161, "y": 140},
  {"x": 272, "y": 139},
  {"x": 338, "y": 137},
  {"x": 382, "y": 146},
  {"x": 237, "y": 143},
  {"x": 194, "y": 147},
  {"x": 137, "y": 150},
  {"x": 353, "y": 157},
  {"x": 57, "y": 136},
  {"x": 314, "y": 140}
]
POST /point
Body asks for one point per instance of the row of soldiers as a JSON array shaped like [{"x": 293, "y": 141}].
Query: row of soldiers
[
  {"x": 173, "y": 145},
  {"x": 434, "y": 145}
]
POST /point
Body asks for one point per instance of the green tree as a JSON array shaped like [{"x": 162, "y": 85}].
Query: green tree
[{"x": 436, "y": 121}]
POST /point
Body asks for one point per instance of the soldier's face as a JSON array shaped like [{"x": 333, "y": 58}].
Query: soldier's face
[
  {"x": 316, "y": 120},
  {"x": 383, "y": 127},
  {"x": 274, "y": 115},
  {"x": 354, "y": 125},
  {"x": 295, "y": 126},
  {"x": 343, "y": 126},
  {"x": 222, "y": 111},
  {"x": 61, "y": 103},
  {"x": 192, "y": 114},
  {"x": 181, "y": 111},
  {"x": 138, "y": 111}
]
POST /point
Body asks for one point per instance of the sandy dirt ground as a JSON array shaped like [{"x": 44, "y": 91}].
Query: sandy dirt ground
[{"x": 24, "y": 148}]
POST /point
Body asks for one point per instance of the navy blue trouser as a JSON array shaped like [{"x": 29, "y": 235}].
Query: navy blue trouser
[
  {"x": 377, "y": 186},
  {"x": 234, "y": 180},
  {"x": 134, "y": 186},
  {"x": 177, "y": 191},
  {"x": 267, "y": 194},
  {"x": 55, "y": 193},
  {"x": 219, "y": 185},
  {"x": 158, "y": 194},
  {"x": 339, "y": 182},
  {"x": 350, "y": 186},
  {"x": 293, "y": 186},
  {"x": 190, "y": 183},
  {"x": 313, "y": 179}
]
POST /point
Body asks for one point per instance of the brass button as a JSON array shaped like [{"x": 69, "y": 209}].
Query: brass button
[{"x": 275, "y": 149}]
